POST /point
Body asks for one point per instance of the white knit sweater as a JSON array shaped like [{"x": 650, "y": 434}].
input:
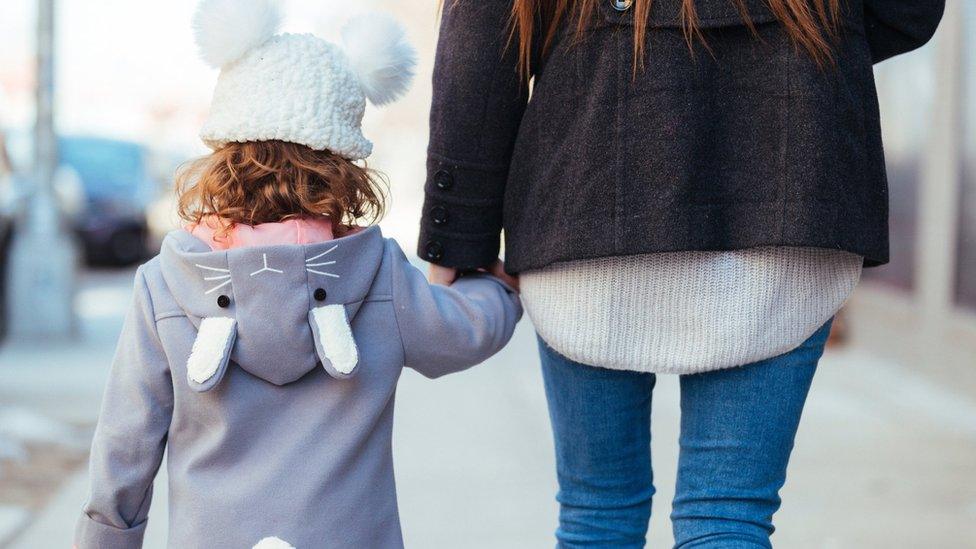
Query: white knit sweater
[{"x": 688, "y": 312}]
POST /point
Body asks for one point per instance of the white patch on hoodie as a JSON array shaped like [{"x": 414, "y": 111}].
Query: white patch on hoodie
[
  {"x": 337, "y": 342},
  {"x": 210, "y": 348},
  {"x": 272, "y": 543}
]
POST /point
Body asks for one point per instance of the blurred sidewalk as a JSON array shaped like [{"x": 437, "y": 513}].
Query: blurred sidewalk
[
  {"x": 64, "y": 380},
  {"x": 884, "y": 457},
  {"x": 49, "y": 398}
]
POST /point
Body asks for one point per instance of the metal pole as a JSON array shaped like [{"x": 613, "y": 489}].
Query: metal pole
[
  {"x": 43, "y": 259},
  {"x": 44, "y": 140}
]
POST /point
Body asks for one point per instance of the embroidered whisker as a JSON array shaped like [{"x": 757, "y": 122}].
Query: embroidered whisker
[
  {"x": 220, "y": 277},
  {"x": 214, "y": 269},
  {"x": 330, "y": 250},
  {"x": 215, "y": 288},
  {"x": 322, "y": 273},
  {"x": 320, "y": 264}
]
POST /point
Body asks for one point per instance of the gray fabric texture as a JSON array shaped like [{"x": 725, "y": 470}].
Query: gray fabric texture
[
  {"x": 273, "y": 445},
  {"x": 744, "y": 144}
]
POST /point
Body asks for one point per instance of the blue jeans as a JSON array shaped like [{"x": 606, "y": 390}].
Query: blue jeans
[{"x": 737, "y": 431}]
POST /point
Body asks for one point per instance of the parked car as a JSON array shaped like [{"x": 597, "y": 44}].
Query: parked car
[
  {"x": 117, "y": 190},
  {"x": 105, "y": 188}
]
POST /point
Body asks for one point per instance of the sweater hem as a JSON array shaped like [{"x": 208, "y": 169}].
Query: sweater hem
[
  {"x": 516, "y": 263},
  {"x": 672, "y": 370}
]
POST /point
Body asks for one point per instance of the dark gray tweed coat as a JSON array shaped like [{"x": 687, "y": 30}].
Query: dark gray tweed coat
[{"x": 749, "y": 145}]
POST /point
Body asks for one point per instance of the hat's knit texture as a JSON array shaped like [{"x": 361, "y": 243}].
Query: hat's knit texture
[
  {"x": 294, "y": 88},
  {"x": 297, "y": 87}
]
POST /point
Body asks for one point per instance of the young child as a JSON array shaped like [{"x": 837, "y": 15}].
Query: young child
[{"x": 266, "y": 340}]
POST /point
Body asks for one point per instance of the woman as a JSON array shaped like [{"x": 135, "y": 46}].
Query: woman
[{"x": 693, "y": 188}]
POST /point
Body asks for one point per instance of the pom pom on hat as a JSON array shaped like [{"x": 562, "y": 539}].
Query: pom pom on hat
[
  {"x": 384, "y": 61},
  {"x": 227, "y": 29}
]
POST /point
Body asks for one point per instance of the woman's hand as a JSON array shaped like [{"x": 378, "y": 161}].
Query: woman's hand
[
  {"x": 445, "y": 276},
  {"x": 497, "y": 270}
]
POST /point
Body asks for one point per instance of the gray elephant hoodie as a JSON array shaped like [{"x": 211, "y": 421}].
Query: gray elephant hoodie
[{"x": 268, "y": 375}]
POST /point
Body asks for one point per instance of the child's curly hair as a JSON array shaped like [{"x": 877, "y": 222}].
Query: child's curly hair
[{"x": 271, "y": 181}]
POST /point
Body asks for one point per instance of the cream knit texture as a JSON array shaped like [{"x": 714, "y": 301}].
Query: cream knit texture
[{"x": 688, "y": 312}]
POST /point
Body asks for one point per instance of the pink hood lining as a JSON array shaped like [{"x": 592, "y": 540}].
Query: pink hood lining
[{"x": 291, "y": 231}]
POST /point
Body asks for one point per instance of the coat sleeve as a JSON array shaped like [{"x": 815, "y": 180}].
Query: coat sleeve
[
  {"x": 130, "y": 436},
  {"x": 894, "y": 27},
  {"x": 448, "y": 329},
  {"x": 478, "y": 103}
]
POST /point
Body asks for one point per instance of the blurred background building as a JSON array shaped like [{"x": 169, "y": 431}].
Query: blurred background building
[
  {"x": 886, "y": 456},
  {"x": 921, "y": 308}
]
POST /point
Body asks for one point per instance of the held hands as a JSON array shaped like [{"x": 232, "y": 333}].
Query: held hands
[
  {"x": 497, "y": 270},
  {"x": 446, "y": 276}
]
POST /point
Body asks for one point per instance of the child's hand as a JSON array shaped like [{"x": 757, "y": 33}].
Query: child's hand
[
  {"x": 445, "y": 276},
  {"x": 497, "y": 270}
]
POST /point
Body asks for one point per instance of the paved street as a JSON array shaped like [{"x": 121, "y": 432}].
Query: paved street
[{"x": 884, "y": 459}]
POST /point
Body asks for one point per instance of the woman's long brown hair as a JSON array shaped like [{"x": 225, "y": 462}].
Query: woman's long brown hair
[{"x": 810, "y": 24}]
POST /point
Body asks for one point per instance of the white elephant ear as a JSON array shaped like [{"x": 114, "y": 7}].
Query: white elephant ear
[
  {"x": 210, "y": 355},
  {"x": 384, "y": 60},
  {"x": 334, "y": 342}
]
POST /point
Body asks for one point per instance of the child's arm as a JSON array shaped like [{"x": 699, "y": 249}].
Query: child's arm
[
  {"x": 448, "y": 329},
  {"x": 131, "y": 434}
]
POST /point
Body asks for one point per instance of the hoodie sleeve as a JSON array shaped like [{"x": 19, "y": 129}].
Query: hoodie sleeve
[
  {"x": 131, "y": 434},
  {"x": 894, "y": 27},
  {"x": 448, "y": 329}
]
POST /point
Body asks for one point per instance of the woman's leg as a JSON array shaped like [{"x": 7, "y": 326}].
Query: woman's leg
[
  {"x": 601, "y": 423},
  {"x": 737, "y": 431}
]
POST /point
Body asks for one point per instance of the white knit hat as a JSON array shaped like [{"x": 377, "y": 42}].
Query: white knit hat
[{"x": 297, "y": 87}]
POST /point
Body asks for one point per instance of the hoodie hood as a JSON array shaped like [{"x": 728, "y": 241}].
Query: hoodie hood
[{"x": 277, "y": 312}]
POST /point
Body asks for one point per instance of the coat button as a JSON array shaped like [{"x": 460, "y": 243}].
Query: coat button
[
  {"x": 444, "y": 180},
  {"x": 320, "y": 294},
  {"x": 435, "y": 250},
  {"x": 438, "y": 214},
  {"x": 622, "y": 5},
  {"x": 223, "y": 302}
]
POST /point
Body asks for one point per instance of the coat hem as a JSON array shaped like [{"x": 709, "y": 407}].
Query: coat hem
[{"x": 93, "y": 534}]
